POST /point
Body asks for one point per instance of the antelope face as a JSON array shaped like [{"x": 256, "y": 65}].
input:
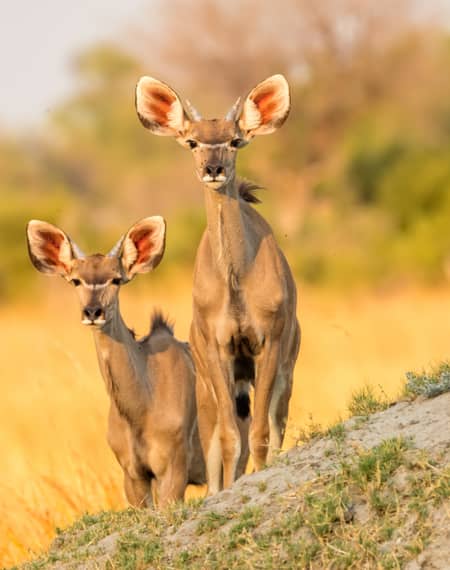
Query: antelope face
[
  {"x": 97, "y": 279},
  {"x": 213, "y": 142}
]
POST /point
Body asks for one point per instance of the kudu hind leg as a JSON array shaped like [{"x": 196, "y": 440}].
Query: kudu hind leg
[{"x": 243, "y": 427}]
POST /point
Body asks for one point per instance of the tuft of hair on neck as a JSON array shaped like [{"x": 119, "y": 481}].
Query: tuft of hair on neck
[
  {"x": 247, "y": 190},
  {"x": 159, "y": 321}
]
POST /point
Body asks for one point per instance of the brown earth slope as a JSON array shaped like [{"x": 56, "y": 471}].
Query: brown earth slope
[{"x": 372, "y": 492}]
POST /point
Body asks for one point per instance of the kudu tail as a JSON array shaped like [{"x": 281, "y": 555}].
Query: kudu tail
[{"x": 244, "y": 375}]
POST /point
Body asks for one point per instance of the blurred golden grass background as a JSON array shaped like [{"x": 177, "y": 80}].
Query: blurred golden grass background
[{"x": 56, "y": 462}]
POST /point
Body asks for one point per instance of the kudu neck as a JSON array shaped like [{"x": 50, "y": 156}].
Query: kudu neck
[
  {"x": 123, "y": 367},
  {"x": 115, "y": 328},
  {"x": 226, "y": 230}
]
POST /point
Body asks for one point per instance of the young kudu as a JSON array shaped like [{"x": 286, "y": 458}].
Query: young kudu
[
  {"x": 244, "y": 327},
  {"x": 152, "y": 427}
]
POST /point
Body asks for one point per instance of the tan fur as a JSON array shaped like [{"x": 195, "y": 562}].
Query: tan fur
[
  {"x": 152, "y": 425},
  {"x": 244, "y": 295}
]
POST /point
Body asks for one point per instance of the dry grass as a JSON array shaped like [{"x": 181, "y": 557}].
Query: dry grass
[{"x": 55, "y": 461}]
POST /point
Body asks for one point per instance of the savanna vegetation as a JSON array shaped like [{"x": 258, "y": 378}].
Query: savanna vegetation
[
  {"x": 357, "y": 496},
  {"x": 356, "y": 186},
  {"x": 357, "y": 182}
]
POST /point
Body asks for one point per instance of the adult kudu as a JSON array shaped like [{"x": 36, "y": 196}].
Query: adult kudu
[
  {"x": 152, "y": 425},
  {"x": 244, "y": 329}
]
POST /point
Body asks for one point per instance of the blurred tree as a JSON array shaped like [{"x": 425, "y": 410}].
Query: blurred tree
[
  {"x": 359, "y": 173},
  {"x": 106, "y": 153},
  {"x": 225, "y": 47}
]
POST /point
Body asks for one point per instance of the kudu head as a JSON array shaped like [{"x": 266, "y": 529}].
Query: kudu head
[
  {"x": 213, "y": 142},
  {"x": 97, "y": 278}
]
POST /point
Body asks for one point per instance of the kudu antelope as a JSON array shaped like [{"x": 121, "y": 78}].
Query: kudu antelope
[
  {"x": 152, "y": 425},
  {"x": 244, "y": 328}
]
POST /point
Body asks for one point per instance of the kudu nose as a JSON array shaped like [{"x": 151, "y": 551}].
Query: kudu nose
[
  {"x": 214, "y": 170},
  {"x": 92, "y": 313}
]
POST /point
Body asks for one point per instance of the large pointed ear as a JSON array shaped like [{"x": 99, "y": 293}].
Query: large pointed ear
[
  {"x": 50, "y": 249},
  {"x": 143, "y": 246},
  {"x": 159, "y": 108},
  {"x": 266, "y": 107}
]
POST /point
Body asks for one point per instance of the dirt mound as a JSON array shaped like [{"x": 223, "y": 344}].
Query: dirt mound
[{"x": 373, "y": 492}]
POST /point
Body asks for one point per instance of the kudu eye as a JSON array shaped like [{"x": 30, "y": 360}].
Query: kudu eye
[
  {"x": 76, "y": 282},
  {"x": 192, "y": 144},
  {"x": 116, "y": 281},
  {"x": 236, "y": 143}
]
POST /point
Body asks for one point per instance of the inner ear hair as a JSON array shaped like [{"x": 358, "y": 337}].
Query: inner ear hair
[
  {"x": 49, "y": 248},
  {"x": 143, "y": 246},
  {"x": 266, "y": 106},
  {"x": 158, "y": 107}
]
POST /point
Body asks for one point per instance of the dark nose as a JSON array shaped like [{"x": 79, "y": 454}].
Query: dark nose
[
  {"x": 214, "y": 170},
  {"x": 93, "y": 313}
]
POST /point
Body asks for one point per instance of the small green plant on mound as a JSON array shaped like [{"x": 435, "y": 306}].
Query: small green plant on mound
[
  {"x": 210, "y": 521},
  {"x": 309, "y": 431},
  {"x": 248, "y": 520},
  {"x": 366, "y": 401},
  {"x": 337, "y": 431},
  {"x": 135, "y": 550},
  {"x": 379, "y": 463},
  {"x": 429, "y": 384}
]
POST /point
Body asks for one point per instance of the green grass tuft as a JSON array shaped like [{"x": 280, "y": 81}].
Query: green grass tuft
[
  {"x": 337, "y": 432},
  {"x": 210, "y": 521},
  {"x": 429, "y": 384},
  {"x": 366, "y": 401},
  {"x": 380, "y": 462}
]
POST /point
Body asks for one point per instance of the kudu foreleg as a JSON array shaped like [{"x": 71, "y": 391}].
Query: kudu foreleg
[
  {"x": 279, "y": 404},
  {"x": 262, "y": 431},
  {"x": 170, "y": 486},
  {"x": 209, "y": 433},
  {"x": 138, "y": 491},
  {"x": 230, "y": 441},
  {"x": 278, "y": 412},
  {"x": 225, "y": 433}
]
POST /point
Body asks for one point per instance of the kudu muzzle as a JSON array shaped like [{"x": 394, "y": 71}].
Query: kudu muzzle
[{"x": 93, "y": 315}]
